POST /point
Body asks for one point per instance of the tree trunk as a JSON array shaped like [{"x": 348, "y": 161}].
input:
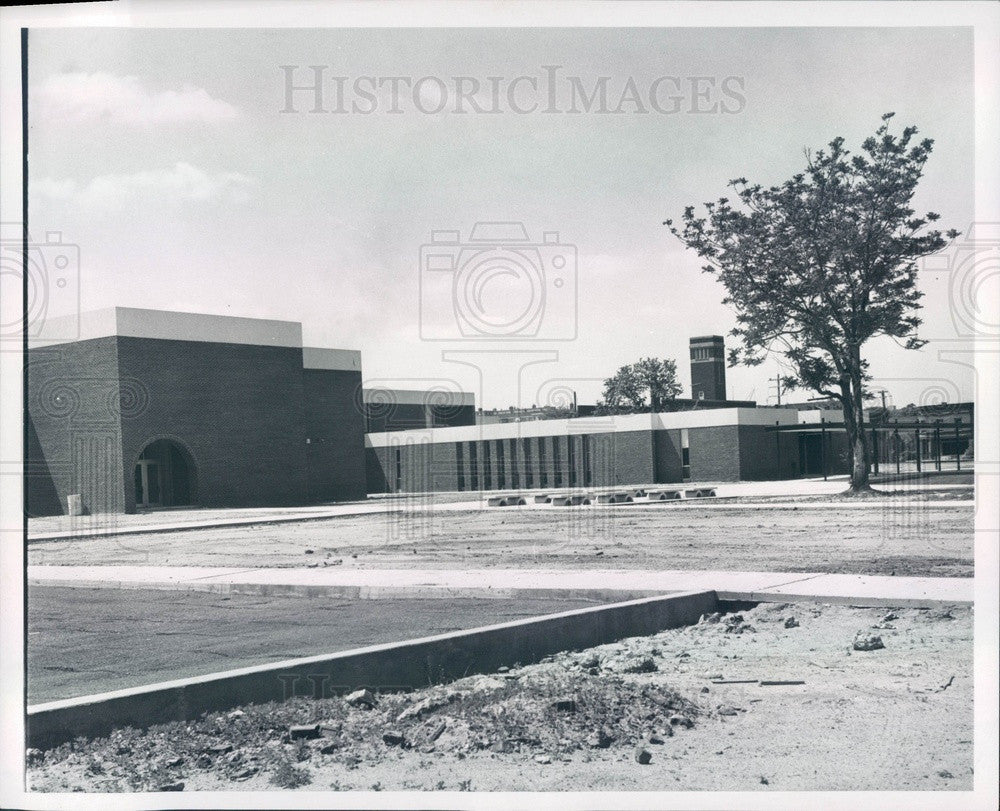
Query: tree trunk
[
  {"x": 860, "y": 457},
  {"x": 854, "y": 422}
]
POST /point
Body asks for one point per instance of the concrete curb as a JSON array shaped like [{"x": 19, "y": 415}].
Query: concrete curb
[
  {"x": 867, "y": 601},
  {"x": 347, "y": 592},
  {"x": 411, "y": 664},
  {"x": 73, "y": 535},
  {"x": 867, "y": 591},
  {"x": 352, "y": 592}
]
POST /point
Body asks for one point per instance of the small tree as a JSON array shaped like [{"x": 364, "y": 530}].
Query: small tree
[
  {"x": 822, "y": 263},
  {"x": 621, "y": 393},
  {"x": 638, "y": 387}
]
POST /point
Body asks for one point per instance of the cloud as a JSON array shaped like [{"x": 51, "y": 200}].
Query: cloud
[
  {"x": 126, "y": 101},
  {"x": 180, "y": 183}
]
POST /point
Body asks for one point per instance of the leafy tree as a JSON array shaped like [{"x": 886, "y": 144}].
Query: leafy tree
[
  {"x": 639, "y": 387},
  {"x": 821, "y": 264},
  {"x": 621, "y": 393}
]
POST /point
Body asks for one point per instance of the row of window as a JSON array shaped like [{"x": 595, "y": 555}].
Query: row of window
[
  {"x": 706, "y": 353},
  {"x": 500, "y": 464}
]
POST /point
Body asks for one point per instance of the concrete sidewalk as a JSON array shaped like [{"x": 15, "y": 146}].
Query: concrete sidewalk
[{"x": 347, "y": 583}]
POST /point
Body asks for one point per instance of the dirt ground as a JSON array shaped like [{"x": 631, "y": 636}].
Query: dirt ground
[
  {"x": 85, "y": 641},
  {"x": 948, "y": 485},
  {"x": 929, "y": 538},
  {"x": 895, "y": 718}
]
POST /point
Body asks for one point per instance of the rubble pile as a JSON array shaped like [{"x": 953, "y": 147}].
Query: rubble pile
[{"x": 545, "y": 712}]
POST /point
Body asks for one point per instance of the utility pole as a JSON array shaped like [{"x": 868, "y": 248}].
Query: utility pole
[
  {"x": 777, "y": 383},
  {"x": 885, "y": 411}
]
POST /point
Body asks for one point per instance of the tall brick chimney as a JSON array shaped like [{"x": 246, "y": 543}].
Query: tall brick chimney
[{"x": 708, "y": 368}]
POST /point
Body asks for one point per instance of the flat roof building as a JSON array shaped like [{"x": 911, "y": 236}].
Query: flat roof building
[
  {"x": 147, "y": 408},
  {"x": 725, "y": 444},
  {"x": 139, "y": 409}
]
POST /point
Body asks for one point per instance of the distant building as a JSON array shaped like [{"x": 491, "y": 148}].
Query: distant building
[
  {"x": 494, "y": 416},
  {"x": 819, "y": 404},
  {"x": 947, "y": 412},
  {"x": 708, "y": 368}
]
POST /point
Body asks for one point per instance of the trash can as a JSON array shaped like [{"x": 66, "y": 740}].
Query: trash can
[{"x": 74, "y": 504}]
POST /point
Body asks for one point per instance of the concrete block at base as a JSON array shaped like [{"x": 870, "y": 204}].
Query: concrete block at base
[
  {"x": 614, "y": 498},
  {"x": 74, "y": 504},
  {"x": 514, "y": 501},
  {"x": 664, "y": 495},
  {"x": 397, "y": 666},
  {"x": 506, "y": 501},
  {"x": 569, "y": 500}
]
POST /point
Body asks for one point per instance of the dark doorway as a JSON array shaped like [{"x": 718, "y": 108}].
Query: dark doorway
[
  {"x": 164, "y": 476},
  {"x": 811, "y": 454}
]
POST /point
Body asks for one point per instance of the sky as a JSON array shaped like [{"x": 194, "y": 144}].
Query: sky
[{"x": 192, "y": 180}]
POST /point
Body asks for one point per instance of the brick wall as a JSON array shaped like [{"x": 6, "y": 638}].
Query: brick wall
[
  {"x": 720, "y": 453},
  {"x": 443, "y": 466},
  {"x": 453, "y": 416},
  {"x": 236, "y": 409},
  {"x": 335, "y": 458},
  {"x": 42, "y": 495},
  {"x": 395, "y": 416},
  {"x": 376, "y": 467},
  {"x": 622, "y": 458},
  {"x": 76, "y": 408},
  {"x": 714, "y": 453},
  {"x": 767, "y": 454},
  {"x": 539, "y": 462},
  {"x": 669, "y": 467}
]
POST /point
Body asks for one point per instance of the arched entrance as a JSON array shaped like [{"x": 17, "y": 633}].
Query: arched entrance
[{"x": 164, "y": 476}]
